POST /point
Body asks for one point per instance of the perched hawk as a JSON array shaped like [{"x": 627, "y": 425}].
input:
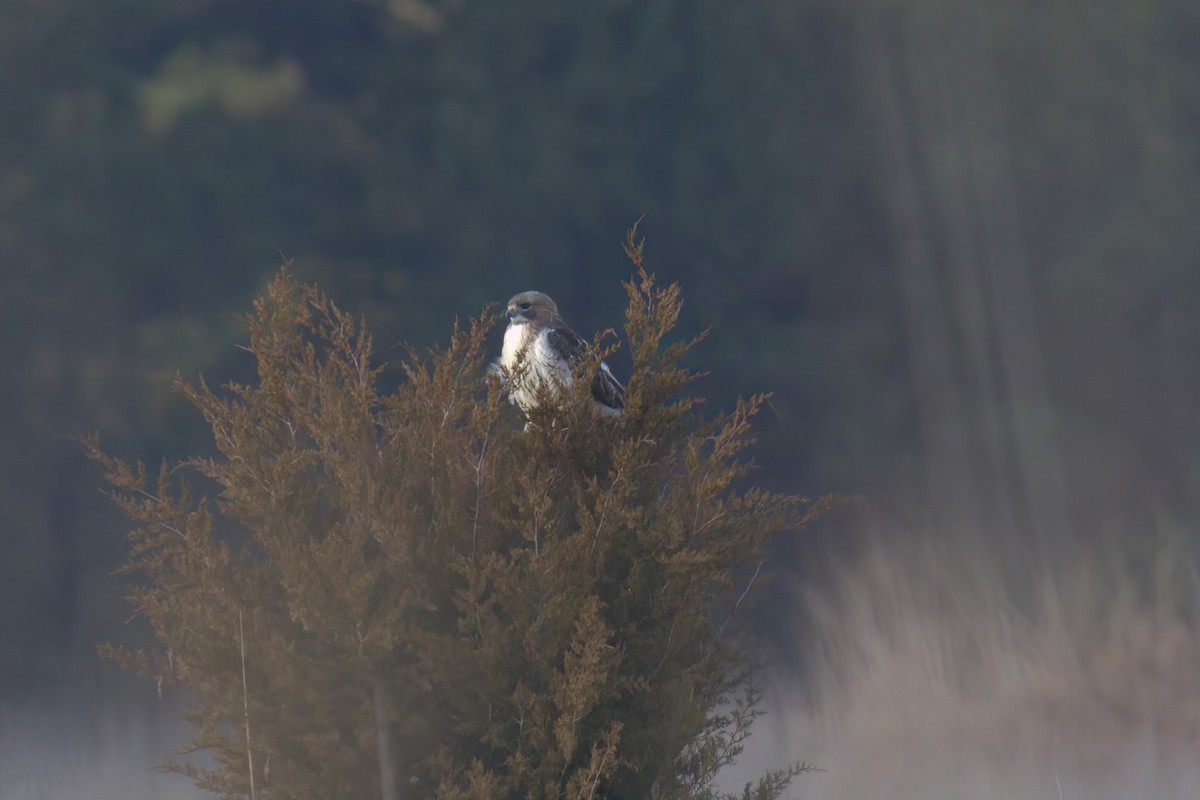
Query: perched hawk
[{"x": 543, "y": 345}]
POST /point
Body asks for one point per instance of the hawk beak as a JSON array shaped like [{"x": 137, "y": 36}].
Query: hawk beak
[{"x": 511, "y": 313}]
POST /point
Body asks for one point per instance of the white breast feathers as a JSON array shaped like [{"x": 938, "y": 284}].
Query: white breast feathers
[{"x": 532, "y": 365}]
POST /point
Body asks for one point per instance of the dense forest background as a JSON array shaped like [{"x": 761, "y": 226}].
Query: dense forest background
[{"x": 958, "y": 241}]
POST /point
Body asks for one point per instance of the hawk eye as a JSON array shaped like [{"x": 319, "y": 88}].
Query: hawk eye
[{"x": 524, "y": 306}]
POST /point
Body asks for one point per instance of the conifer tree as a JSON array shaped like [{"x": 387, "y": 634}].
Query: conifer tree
[{"x": 409, "y": 594}]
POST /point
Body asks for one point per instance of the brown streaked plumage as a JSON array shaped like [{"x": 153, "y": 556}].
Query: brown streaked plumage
[{"x": 548, "y": 347}]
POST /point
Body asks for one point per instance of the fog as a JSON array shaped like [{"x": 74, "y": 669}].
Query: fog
[
  {"x": 63, "y": 748},
  {"x": 929, "y": 674}
]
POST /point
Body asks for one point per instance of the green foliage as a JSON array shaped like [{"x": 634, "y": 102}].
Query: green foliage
[
  {"x": 413, "y": 585},
  {"x": 191, "y": 79}
]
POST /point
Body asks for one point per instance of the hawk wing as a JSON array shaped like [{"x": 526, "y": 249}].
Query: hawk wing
[{"x": 570, "y": 347}]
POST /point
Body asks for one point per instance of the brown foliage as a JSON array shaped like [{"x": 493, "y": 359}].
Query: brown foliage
[{"x": 544, "y": 613}]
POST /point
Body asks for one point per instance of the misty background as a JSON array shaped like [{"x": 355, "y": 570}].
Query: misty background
[{"x": 958, "y": 241}]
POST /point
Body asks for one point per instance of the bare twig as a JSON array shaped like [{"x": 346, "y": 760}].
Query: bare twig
[
  {"x": 746, "y": 591},
  {"x": 174, "y": 530},
  {"x": 604, "y": 511},
  {"x": 389, "y": 789},
  {"x": 246, "y": 703},
  {"x": 479, "y": 477}
]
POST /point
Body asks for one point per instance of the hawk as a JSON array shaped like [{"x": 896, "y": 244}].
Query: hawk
[{"x": 545, "y": 348}]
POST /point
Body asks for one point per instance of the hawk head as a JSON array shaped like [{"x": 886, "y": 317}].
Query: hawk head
[{"x": 531, "y": 307}]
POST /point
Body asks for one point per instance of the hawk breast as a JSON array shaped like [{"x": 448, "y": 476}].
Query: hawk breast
[{"x": 543, "y": 365}]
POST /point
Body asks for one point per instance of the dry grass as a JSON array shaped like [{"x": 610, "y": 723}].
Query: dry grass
[{"x": 939, "y": 674}]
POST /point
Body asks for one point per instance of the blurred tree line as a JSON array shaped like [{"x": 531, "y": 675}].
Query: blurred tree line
[{"x": 933, "y": 231}]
